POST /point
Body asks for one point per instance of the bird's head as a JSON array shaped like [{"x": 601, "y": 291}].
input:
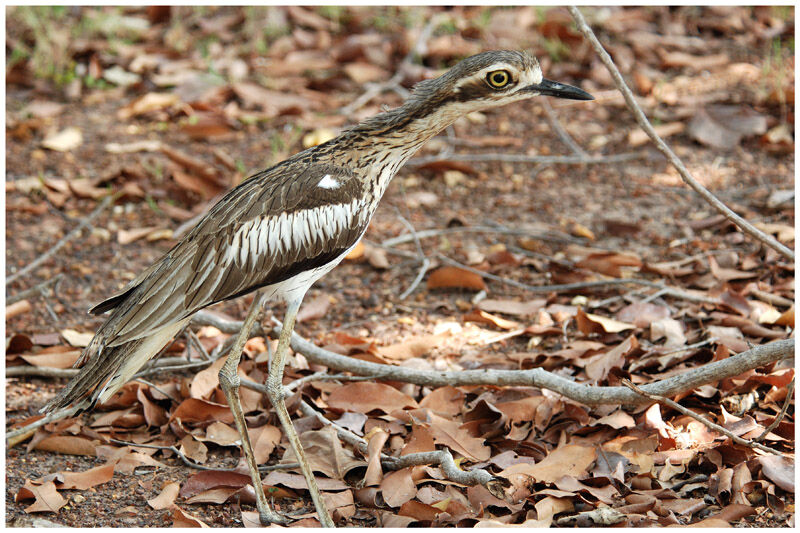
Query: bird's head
[{"x": 491, "y": 79}]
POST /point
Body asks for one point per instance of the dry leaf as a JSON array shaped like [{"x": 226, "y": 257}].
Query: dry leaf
[
  {"x": 590, "y": 323},
  {"x": 512, "y": 307},
  {"x": 363, "y": 397},
  {"x": 75, "y": 338},
  {"x": 453, "y": 277},
  {"x": 197, "y": 410},
  {"x": 64, "y": 141},
  {"x": 88, "y": 478},
  {"x": 569, "y": 460},
  {"x": 166, "y": 498},
  {"x": 314, "y": 309},
  {"x": 325, "y": 453},
  {"x": 148, "y": 103},
  {"x": 398, "y": 487},
  {"x": 47, "y": 499},
  {"x": 181, "y": 518}
]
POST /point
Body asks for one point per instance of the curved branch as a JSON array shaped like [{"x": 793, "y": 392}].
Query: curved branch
[
  {"x": 641, "y": 119},
  {"x": 536, "y": 377}
]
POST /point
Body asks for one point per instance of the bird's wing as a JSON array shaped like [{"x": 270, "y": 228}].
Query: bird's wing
[{"x": 268, "y": 229}]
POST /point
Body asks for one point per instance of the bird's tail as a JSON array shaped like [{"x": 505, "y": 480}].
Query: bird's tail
[{"x": 107, "y": 368}]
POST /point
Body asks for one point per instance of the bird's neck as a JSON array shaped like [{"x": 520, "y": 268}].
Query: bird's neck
[{"x": 383, "y": 143}]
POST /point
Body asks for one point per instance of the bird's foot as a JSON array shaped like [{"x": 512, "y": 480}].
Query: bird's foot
[{"x": 268, "y": 516}]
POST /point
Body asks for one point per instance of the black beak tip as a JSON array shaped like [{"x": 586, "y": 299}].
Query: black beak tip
[{"x": 561, "y": 90}]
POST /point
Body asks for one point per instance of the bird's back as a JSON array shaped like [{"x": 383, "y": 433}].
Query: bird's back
[{"x": 282, "y": 229}]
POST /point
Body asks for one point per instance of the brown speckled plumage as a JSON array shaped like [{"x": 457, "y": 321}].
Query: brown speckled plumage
[{"x": 285, "y": 226}]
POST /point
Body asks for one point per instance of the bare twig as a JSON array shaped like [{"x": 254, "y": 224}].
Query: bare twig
[
  {"x": 756, "y": 357},
  {"x": 64, "y": 240},
  {"x": 641, "y": 119},
  {"x": 786, "y": 403},
  {"x": 709, "y": 424},
  {"x": 425, "y": 263},
  {"x": 555, "y": 124},
  {"x": 534, "y": 159},
  {"x": 20, "y": 434},
  {"x": 34, "y": 291},
  {"x": 441, "y": 457},
  {"x": 664, "y": 290},
  {"x": 552, "y": 236},
  {"x": 393, "y": 83},
  {"x": 773, "y": 299}
]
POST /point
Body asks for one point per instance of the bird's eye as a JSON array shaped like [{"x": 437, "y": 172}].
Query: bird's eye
[{"x": 498, "y": 79}]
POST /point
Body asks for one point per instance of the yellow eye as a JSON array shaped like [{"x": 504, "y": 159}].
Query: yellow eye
[{"x": 498, "y": 78}]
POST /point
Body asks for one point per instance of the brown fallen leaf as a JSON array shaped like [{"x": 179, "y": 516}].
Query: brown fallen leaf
[
  {"x": 264, "y": 440},
  {"x": 166, "y": 498},
  {"x": 64, "y": 357},
  {"x": 638, "y": 137},
  {"x": 568, "y": 460},
  {"x": 298, "y": 482},
  {"x": 18, "y": 308},
  {"x": 314, "y": 308},
  {"x": 325, "y": 453},
  {"x": 609, "y": 263},
  {"x": 46, "y": 497},
  {"x": 75, "y": 338},
  {"x": 199, "y": 184},
  {"x": 364, "y": 397},
  {"x": 194, "y": 449},
  {"x": 398, "y": 487},
  {"x": 197, "y": 410},
  {"x": 451, "y": 434},
  {"x": 590, "y": 323},
  {"x": 449, "y": 277},
  {"x": 181, "y": 518},
  {"x": 779, "y": 470},
  {"x": 487, "y": 318},
  {"x": 374, "y": 474},
  {"x": 212, "y": 479},
  {"x": 67, "y": 445},
  {"x": 148, "y": 103},
  {"x": 414, "y": 347},
  {"x": 63, "y": 141},
  {"x": 88, "y": 478},
  {"x": 512, "y": 307},
  {"x": 128, "y": 236}
]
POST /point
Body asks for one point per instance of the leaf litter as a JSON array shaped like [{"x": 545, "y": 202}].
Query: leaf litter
[{"x": 562, "y": 463}]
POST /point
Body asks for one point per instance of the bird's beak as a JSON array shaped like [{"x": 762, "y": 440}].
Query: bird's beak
[{"x": 559, "y": 90}]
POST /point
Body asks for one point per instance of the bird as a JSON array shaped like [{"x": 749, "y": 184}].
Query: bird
[{"x": 281, "y": 230}]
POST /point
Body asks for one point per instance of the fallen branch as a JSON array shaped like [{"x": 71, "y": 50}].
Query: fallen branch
[
  {"x": 552, "y": 236},
  {"x": 663, "y": 289},
  {"x": 676, "y": 162},
  {"x": 425, "y": 263},
  {"x": 535, "y": 377},
  {"x": 442, "y": 458},
  {"x": 565, "y": 137},
  {"x": 780, "y": 416},
  {"x": 691, "y": 414},
  {"x": 522, "y": 158},
  {"x": 393, "y": 83},
  {"x": 64, "y": 240},
  {"x": 34, "y": 291}
]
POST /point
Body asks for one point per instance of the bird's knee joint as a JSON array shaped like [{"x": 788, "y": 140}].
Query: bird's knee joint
[
  {"x": 227, "y": 380},
  {"x": 274, "y": 390}
]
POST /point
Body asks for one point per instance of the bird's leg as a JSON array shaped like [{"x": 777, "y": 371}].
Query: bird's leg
[
  {"x": 276, "y": 395},
  {"x": 229, "y": 381}
]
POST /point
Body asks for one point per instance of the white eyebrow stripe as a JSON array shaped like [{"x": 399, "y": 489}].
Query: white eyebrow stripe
[
  {"x": 481, "y": 74},
  {"x": 329, "y": 182}
]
